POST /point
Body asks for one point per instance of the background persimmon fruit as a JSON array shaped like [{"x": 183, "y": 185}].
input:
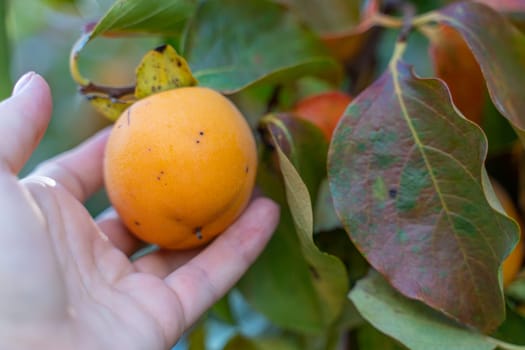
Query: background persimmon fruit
[
  {"x": 324, "y": 109},
  {"x": 513, "y": 262}
]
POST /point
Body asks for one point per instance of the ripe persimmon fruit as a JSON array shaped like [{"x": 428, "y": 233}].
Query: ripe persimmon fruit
[
  {"x": 512, "y": 264},
  {"x": 324, "y": 110},
  {"x": 456, "y": 65},
  {"x": 180, "y": 166}
]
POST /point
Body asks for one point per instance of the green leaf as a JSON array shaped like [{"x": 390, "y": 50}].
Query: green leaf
[
  {"x": 512, "y": 329},
  {"x": 407, "y": 177},
  {"x": 303, "y": 143},
  {"x": 251, "y": 41},
  {"x": 370, "y": 338},
  {"x": 329, "y": 273},
  {"x": 166, "y": 17},
  {"x": 499, "y": 49},
  {"x": 240, "y": 342},
  {"x": 292, "y": 283},
  {"x": 516, "y": 290},
  {"x": 412, "y": 323},
  {"x": 280, "y": 284},
  {"x": 500, "y": 135},
  {"x": 332, "y": 16},
  {"x": 338, "y": 243},
  {"x": 325, "y": 217}
]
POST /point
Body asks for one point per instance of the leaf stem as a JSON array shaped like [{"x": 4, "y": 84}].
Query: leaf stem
[
  {"x": 409, "y": 12},
  {"x": 386, "y": 21},
  {"x": 109, "y": 91},
  {"x": 86, "y": 86},
  {"x": 399, "y": 50},
  {"x": 426, "y": 18},
  {"x": 73, "y": 60},
  {"x": 5, "y": 52},
  {"x": 380, "y": 19}
]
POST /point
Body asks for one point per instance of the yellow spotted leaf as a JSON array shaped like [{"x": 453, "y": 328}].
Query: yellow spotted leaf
[
  {"x": 109, "y": 107},
  {"x": 162, "y": 69}
]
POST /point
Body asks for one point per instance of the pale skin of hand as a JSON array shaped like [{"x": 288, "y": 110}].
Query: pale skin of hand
[{"x": 66, "y": 279}]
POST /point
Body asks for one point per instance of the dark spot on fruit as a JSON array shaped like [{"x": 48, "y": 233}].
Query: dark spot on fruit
[
  {"x": 179, "y": 63},
  {"x": 392, "y": 193},
  {"x": 161, "y": 48},
  {"x": 198, "y": 232},
  {"x": 197, "y": 141},
  {"x": 149, "y": 149},
  {"x": 162, "y": 172},
  {"x": 137, "y": 223},
  {"x": 246, "y": 170},
  {"x": 158, "y": 178},
  {"x": 201, "y": 133}
]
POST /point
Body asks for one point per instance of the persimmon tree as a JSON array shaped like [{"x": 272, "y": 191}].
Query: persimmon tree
[{"x": 391, "y": 235}]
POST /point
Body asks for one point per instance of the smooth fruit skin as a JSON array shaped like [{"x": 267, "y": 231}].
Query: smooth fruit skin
[
  {"x": 180, "y": 166},
  {"x": 324, "y": 110},
  {"x": 512, "y": 264}
]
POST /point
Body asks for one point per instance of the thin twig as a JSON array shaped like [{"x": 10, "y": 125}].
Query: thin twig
[
  {"x": 409, "y": 11},
  {"x": 113, "y": 92}
]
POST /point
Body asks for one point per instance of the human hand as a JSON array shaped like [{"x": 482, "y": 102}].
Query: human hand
[{"x": 66, "y": 280}]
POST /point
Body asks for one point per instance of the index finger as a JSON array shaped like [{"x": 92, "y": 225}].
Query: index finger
[
  {"x": 78, "y": 170},
  {"x": 207, "y": 277}
]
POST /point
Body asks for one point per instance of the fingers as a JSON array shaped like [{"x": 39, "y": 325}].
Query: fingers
[
  {"x": 80, "y": 169},
  {"x": 209, "y": 275},
  {"x": 23, "y": 120},
  {"x": 110, "y": 223}
]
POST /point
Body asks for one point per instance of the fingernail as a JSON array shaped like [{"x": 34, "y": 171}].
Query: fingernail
[{"x": 22, "y": 83}]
